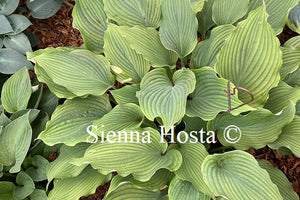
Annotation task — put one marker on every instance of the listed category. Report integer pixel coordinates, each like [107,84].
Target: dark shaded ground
[58,31]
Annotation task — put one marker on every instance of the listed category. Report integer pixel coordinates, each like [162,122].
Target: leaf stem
[69,4]
[183,62]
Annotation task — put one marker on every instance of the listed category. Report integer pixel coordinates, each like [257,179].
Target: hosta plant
[145,105]
[14,40]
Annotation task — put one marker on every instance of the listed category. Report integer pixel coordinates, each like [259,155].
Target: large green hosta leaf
[157,182]
[131,153]
[61,167]
[193,156]
[209,98]
[126,190]
[119,53]
[161,97]
[289,137]
[76,187]
[79,71]
[16,91]
[134,12]
[251,57]
[89,17]
[178,31]
[236,175]
[146,41]
[180,189]
[69,121]
[206,51]
[279,179]
[291,60]
[126,116]
[293,79]
[197,5]
[281,96]
[126,94]
[229,11]
[15,140]
[277,11]
[205,18]
[257,128]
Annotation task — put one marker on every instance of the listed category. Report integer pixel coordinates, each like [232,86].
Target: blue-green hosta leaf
[5,25]
[157,182]
[12,61]
[91,20]
[16,91]
[249,64]
[15,140]
[26,186]
[79,71]
[205,18]
[197,5]
[119,53]
[126,94]
[8,6]
[134,156]
[206,51]
[178,31]
[134,12]
[41,9]
[257,129]
[6,189]
[33,114]
[75,187]
[69,121]
[180,189]
[209,98]
[18,22]
[193,155]
[18,42]
[38,194]
[161,97]
[146,41]
[281,96]
[127,190]
[293,19]
[126,116]
[289,137]
[290,60]
[229,11]
[236,175]
[61,167]
[277,11]
[38,170]
[279,179]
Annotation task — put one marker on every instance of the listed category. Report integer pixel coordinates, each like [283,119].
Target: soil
[58,31]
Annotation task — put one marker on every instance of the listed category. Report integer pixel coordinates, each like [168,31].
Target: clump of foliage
[13,36]
[239,74]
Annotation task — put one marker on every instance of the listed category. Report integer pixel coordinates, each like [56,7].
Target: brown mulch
[58,31]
